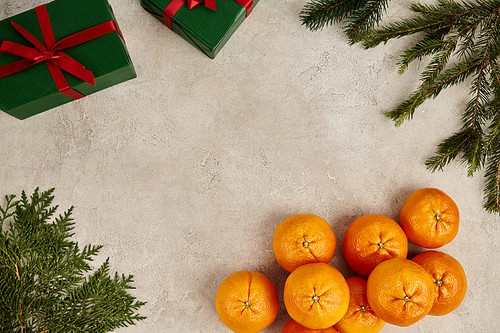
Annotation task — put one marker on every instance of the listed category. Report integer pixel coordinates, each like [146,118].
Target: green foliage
[360,15]
[459,41]
[46,283]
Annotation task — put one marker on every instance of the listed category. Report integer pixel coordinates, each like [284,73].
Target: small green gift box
[206,26]
[59,52]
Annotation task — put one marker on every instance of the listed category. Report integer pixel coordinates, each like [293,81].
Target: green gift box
[87,40]
[206,29]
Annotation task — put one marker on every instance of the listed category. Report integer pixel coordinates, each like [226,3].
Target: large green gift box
[206,29]
[59,52]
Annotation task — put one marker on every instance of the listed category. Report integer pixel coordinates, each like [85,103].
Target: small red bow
[208,3]
[175,5]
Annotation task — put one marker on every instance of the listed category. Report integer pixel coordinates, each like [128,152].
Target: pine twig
[459,40]
[469,31]
[364,18]
[360,15]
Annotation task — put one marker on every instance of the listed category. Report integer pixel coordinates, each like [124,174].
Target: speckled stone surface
[183,173]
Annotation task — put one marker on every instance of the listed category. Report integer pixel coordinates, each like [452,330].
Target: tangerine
[371,239]
[400,291]
[293,327]
[301,239]
[316,295]
[247,302]
[430,218]
[360,317]
[450,282]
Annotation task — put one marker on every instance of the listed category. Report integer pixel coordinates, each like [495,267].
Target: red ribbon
[175,5]
[50,52]
[208,3]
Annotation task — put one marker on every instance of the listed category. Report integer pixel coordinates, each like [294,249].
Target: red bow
[50,52]
[208,3]
[175,5]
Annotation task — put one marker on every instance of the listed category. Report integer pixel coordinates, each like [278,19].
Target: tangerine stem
[439,283]
[315,298]
[305,244]
[248,303]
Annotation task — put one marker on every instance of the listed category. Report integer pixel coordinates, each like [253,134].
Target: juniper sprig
[46,282]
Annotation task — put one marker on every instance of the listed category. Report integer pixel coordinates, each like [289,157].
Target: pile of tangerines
[389,289]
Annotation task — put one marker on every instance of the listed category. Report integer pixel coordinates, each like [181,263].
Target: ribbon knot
[49,55]
[49,52]
[175,5]
[208,3]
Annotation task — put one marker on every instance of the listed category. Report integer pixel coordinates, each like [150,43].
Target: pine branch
[46,282]
[361,15]
[320,13]
[400,29]
[448,150]
[494,105]
[424,48]
[406,109]
[492,190]
[469,32]
[453,76]
[491,147]
[459,40]
[364,18]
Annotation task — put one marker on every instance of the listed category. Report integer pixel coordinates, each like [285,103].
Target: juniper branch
[43,273]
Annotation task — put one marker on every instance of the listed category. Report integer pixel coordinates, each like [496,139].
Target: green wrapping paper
[33,90]
[206,29]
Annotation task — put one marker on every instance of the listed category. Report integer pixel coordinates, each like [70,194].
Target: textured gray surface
[183,173]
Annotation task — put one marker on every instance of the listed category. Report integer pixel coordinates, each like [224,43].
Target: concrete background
[183,173]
